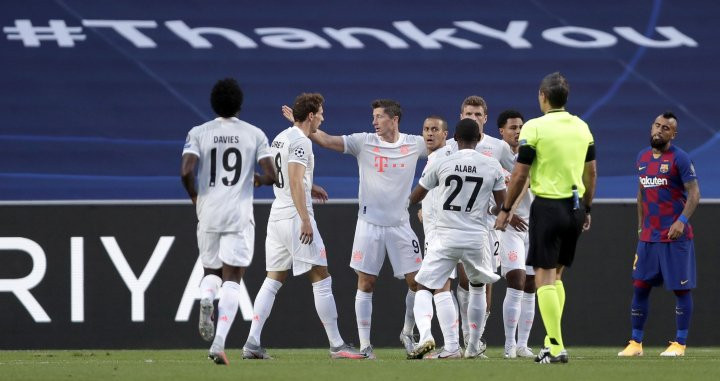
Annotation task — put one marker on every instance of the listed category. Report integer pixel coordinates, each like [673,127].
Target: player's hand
[676,229]
[501,222]
[318,194]
[288,113]
[256,180]
[518,223]
[420,215]
[306,232]
[194,200]
[586,224]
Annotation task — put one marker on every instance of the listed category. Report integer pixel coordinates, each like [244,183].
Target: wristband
[506,210]
[587,209]
[683,219]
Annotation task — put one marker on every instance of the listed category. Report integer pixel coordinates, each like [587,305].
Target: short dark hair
[508,114]
[443,122]
[226,98]
[474,100]
[556,89]
[467,130]
[391,107]
[670,115]
[306,103]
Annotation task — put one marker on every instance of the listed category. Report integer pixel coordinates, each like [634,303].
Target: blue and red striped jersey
[663,193]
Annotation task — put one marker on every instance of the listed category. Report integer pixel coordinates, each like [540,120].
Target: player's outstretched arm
[296,172]
[693,199]
[269,175]
[589,179]
[324,140]
[187,174]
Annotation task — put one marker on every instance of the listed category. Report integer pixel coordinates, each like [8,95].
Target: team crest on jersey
[487,152]
[404,150]
[664,168]
[299,152]
[376,149]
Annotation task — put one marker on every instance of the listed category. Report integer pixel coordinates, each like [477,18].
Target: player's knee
[366,284]
[530,284]
[516,279]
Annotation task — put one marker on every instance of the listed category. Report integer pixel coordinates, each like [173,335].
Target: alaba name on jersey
[466,181]
[227,149]
[387,171]
[428,204]
[291,146]
[662,187]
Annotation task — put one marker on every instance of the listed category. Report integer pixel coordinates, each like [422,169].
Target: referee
[558,153]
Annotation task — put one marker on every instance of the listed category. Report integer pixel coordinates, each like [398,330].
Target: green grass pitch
[313,364]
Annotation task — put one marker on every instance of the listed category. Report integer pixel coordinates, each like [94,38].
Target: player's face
[433,134]
[382,122]
[476,113]
[510,132]
[317,120]
[662,132]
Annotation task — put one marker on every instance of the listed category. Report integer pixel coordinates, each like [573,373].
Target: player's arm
[418,194]
[269,175]
[589,179]
[324,140]
[187,174]
[296,171]
[517,182]
[693,199]
[639,209]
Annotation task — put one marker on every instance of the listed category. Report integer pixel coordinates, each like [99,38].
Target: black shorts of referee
[554,231]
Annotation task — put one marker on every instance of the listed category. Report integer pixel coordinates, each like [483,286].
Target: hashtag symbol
[56,30]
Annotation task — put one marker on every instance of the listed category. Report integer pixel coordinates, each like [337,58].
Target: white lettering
[127,29]
[137,286]
[192,293]
[433,40]
[513,35]
[21,286]
[674,37]
[194,35]
[346,37]
[292,38]
[56,30]
[77,280]
[598,39]
[652,182]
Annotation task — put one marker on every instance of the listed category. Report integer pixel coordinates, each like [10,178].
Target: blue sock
[683,313]
[639,311]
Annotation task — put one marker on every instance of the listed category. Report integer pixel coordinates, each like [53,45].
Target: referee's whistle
[576,198]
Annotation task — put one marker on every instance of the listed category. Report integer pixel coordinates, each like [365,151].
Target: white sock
[209,286]
[227,309]
[456,326]
[409,324]
[423,310]
[327,311]
[527,315]
[462,299]
[261,310]
[511,314]
[477,304]
[447,317]
[363,314]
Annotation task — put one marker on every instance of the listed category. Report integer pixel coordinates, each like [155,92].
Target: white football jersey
[430,201]
[227,151]
[291,146]
[387,171]
[466,181]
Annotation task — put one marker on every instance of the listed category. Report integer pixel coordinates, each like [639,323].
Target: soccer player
[668,194]
[293,240]
[386,161]
[558,152]
[225,151]
[475,107]
[435,131]
[519,302]
[466,180]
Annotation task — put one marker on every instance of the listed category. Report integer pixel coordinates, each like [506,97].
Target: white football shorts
[372,241]
[231,248]
[513,251]
[440,262]
[429,236]
[284,250]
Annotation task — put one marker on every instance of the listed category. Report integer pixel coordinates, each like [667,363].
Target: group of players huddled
[462,190]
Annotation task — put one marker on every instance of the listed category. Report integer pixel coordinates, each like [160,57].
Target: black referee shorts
[554,231]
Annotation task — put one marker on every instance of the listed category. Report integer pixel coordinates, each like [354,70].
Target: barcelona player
[668,194]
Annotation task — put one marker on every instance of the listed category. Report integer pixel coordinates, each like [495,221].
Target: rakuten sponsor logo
[652,182]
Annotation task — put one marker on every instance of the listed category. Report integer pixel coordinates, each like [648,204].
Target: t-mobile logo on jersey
[381,162]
